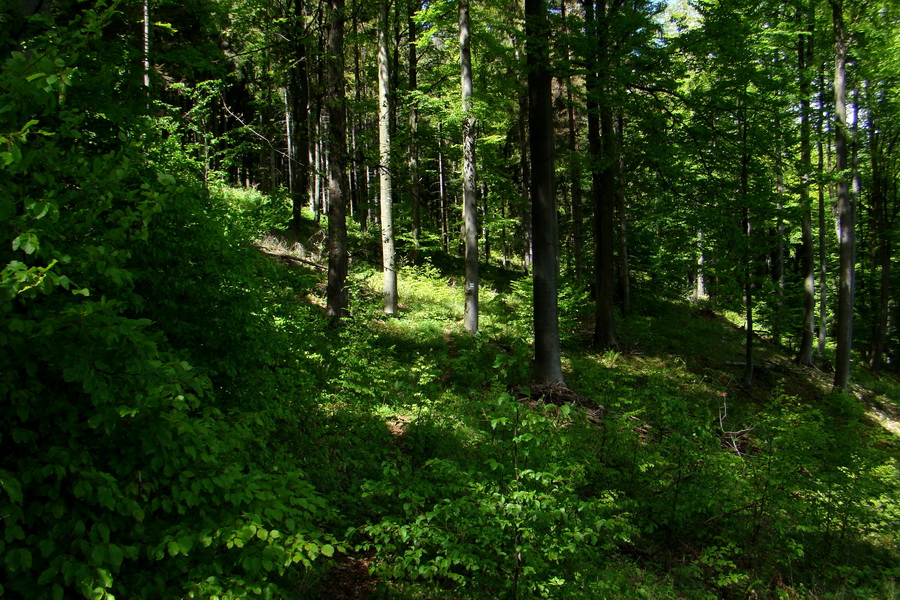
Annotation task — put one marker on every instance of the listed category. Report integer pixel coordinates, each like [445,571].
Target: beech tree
[470,188]
[384,144]
[847,229]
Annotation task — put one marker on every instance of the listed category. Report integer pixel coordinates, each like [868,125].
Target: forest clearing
[404,299]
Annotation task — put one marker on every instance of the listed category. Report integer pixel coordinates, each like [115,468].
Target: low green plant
[515,525]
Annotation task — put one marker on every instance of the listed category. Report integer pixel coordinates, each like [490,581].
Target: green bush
[122,474]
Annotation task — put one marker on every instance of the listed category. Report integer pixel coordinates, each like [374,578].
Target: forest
[449,299]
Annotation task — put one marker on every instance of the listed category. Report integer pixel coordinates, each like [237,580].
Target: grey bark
[384,147]
[847,238]
[470,186]
[299,84]
[415,181]
[804,60]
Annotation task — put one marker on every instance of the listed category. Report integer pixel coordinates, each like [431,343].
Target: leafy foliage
[125,470]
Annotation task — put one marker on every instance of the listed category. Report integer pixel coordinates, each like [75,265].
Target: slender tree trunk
[847,241]
[525,174]
[823,260]
[604,232]
[624,269]
[384,147]
[299,83]
[699,292]
[147,44]
[360,173]
[470,186]
[316,150]
[336,291]
[547,366]
[575,167]
[804,60]
[485,234]
[602,182]
[442,193]
[881,147]
[415,181]
[748,302]
[779,253]
[575,190]
[748,270]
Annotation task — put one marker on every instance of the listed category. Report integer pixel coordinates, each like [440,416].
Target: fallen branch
[295,259]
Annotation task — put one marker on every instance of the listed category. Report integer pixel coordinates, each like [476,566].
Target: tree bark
[525,174]
[470,186]
[575,177]
[384,147]
[624,268]
[602,151]
[336,291]
[547,366]
[847,238]
[882,146]
[415,181]
[299,83]
[823,260]
[804,60]
[748,271]
[359,172]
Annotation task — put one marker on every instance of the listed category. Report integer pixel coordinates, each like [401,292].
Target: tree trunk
[360,173]
[624,269]
[146,27]
[575,189]
[547,366]
[881,147]
[442,193]
[299,83]
[748,271]
[602,184]
[804,60]
[823,260]
[575,177]
[525,174]
[699,292]
[336,291]
[847,241]
[470,186]
[384,147]
[415,181]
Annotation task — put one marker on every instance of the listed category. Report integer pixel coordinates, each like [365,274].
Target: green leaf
[165,179]
[12,487]
[28,242]
[327,550]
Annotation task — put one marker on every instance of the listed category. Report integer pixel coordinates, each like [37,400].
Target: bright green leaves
[28,242]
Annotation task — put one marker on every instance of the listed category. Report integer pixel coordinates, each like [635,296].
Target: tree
[602,150]
[847,238]
[336,291]
[547,365]
[804,61]
[298,92]
[384,145]
[470,187]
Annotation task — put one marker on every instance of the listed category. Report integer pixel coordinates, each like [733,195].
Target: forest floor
[417,420]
